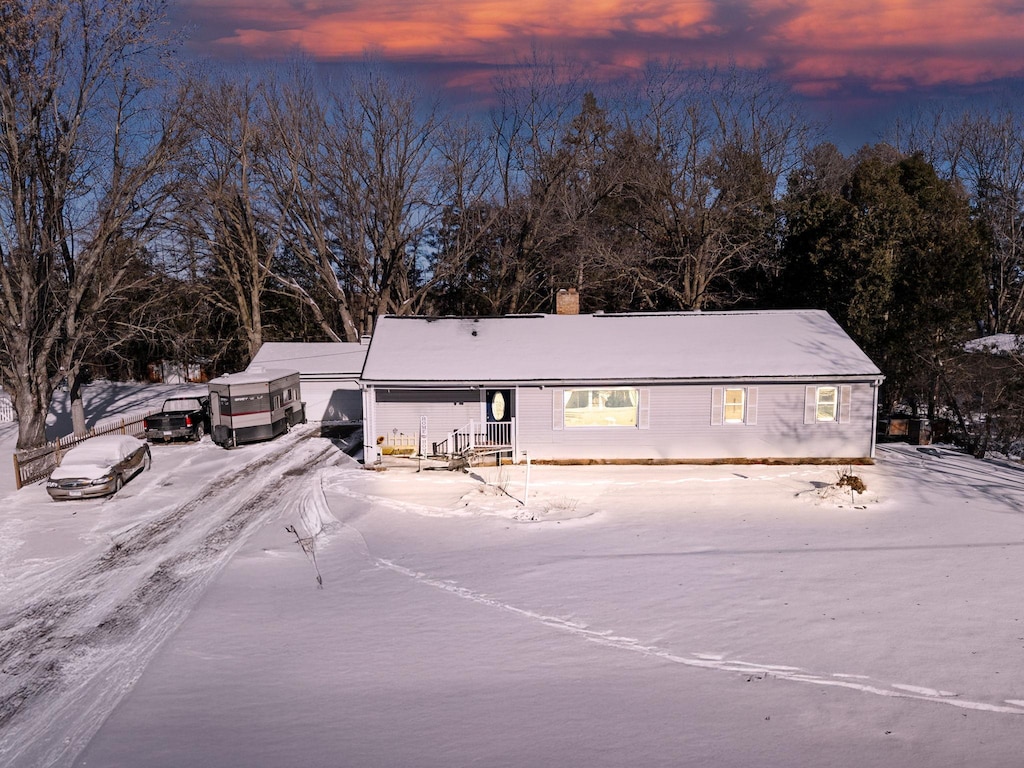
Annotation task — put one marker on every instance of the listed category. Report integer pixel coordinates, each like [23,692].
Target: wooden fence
[35,463]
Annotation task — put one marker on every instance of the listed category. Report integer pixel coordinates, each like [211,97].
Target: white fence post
[526,491]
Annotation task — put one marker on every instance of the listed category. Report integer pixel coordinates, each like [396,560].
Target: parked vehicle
[180,417]
[100,466]
[254,405]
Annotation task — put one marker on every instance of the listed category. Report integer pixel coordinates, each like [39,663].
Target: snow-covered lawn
[650,616]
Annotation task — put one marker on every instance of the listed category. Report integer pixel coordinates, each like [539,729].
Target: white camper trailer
[254,405]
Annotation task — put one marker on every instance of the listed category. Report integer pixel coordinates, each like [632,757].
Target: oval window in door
[497,406]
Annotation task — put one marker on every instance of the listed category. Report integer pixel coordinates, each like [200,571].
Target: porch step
[468,458]
[476,439]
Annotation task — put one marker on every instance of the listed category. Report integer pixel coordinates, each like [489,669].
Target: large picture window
[601,407]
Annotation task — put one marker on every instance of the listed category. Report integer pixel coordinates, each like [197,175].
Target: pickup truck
[180,417]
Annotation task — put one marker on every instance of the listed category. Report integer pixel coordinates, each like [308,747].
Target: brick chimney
[567,302]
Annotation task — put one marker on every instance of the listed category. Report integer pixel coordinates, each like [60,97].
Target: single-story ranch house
[680,386]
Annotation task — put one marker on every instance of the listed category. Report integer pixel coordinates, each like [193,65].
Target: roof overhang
[870,378]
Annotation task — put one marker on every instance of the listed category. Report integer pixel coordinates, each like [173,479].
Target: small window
[733,405]
[734,402]
[826,404]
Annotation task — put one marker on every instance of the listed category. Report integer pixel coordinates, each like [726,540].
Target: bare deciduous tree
[461,236]
[711,150]
[224,202]
[84,142]
[986,154]
[538,99]
[356,184]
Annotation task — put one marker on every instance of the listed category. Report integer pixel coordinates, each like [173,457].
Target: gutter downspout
[875,386]
[369,421]
[515,428]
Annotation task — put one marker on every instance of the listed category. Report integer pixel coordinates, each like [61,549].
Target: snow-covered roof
[997,344]
[313,359]
[181,404]
[614,347]
[254,374]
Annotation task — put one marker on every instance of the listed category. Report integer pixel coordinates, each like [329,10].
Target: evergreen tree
[892,252]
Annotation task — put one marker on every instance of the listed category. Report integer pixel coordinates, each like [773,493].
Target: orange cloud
[457,29]
[813,43]
[896,42]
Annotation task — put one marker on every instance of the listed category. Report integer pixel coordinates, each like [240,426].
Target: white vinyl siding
[679,427]
[673,423]
[398,412]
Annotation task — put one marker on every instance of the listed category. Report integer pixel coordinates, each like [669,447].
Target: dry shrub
[854,483]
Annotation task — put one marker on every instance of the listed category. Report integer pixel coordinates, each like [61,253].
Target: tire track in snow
[67,658]
[45,616]
[862,684]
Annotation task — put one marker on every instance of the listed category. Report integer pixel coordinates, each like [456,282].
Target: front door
[214,409]
[498,412]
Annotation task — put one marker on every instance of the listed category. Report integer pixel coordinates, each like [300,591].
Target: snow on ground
[90,589]
[657,616]
[103,401]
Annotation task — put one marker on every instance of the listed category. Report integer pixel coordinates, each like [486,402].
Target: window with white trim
[734,402]
[826,404]
[733,405]
[600,407]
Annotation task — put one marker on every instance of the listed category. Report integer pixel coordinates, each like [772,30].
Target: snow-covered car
[98,467]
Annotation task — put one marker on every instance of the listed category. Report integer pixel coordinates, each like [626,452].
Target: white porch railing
[476,436]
